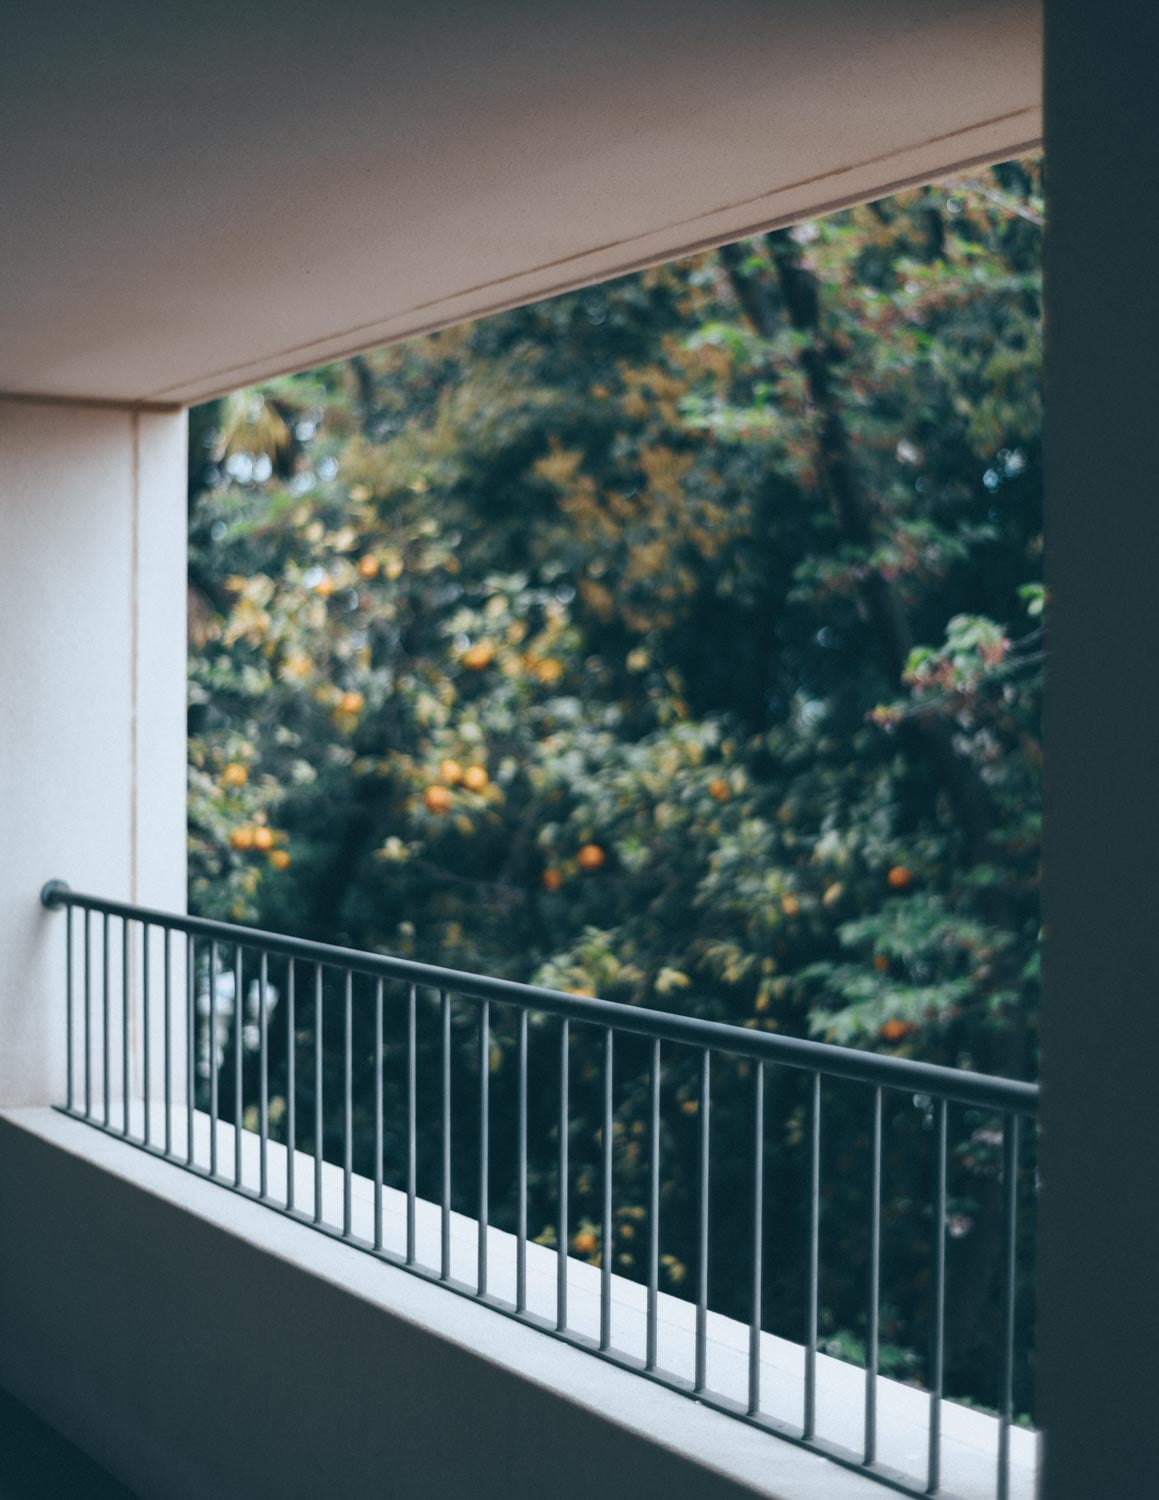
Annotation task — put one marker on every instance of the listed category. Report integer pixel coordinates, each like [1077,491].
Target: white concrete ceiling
[198,193]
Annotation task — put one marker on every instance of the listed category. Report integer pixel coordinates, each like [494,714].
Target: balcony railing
[437,1119]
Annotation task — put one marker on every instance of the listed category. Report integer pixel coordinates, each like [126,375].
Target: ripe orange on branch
[241,839]
[475,778]
[899,877]
[263,839]
[591,857]
[438,799]
[475,658]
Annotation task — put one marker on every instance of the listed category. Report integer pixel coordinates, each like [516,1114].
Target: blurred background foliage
[677,640]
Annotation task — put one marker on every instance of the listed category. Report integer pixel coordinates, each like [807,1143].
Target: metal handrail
[930,1086]
[959,1085]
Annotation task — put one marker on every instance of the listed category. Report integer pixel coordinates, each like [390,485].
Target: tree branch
[800,298]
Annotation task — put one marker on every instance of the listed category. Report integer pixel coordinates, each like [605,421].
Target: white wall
[198,1345]
[92,695]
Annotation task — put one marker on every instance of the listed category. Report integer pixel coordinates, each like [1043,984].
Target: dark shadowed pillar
[1099,1312]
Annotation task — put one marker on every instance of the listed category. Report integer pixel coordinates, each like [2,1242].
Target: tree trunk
[975,1260]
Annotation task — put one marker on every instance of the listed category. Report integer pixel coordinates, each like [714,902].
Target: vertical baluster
[606,1214]
[145,1072]
[146,1040]
[167,956]
[561,1252]
[238,1100]
[445,1022]
[105,1017]
[347,1103]
[411,1119]
[126,946]
[702,1236]
[263,1077]
[378,1115]
[190,1041]
[68,1005]
[758,1236]
[291,1081]
[1009,1274]
[88,1016]
[213,1059]
[521,1170]
[873,1315]
[484,1141]
[653,1203]
[809,1426]
[317,1093]
[938,1335]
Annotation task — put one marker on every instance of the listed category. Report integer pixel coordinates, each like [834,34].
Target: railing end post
[52,894]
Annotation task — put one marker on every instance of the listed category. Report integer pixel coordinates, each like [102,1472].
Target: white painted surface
[92,696]
[969,1437]
[197,1344]
[202,194]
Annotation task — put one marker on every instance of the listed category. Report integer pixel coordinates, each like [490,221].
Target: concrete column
[1099,1291]
[92,696]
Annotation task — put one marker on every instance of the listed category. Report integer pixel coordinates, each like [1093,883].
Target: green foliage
[675,640]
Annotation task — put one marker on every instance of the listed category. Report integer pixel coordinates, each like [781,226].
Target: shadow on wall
[37,1464]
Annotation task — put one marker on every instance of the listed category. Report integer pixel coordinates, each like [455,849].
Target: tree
[675,640]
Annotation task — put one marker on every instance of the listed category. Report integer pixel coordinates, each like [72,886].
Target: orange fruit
[591,857]
[263,839]
[241,839]
[475,658]
[352,703]
[584,1243]
[894,1030]
[549,671]
[899,877]
[790,905]
[369,565]
[719,790]
[451,772]
[324,586]
[552,880]
[437,799]
[280,859]
[475,778]
[234,774]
